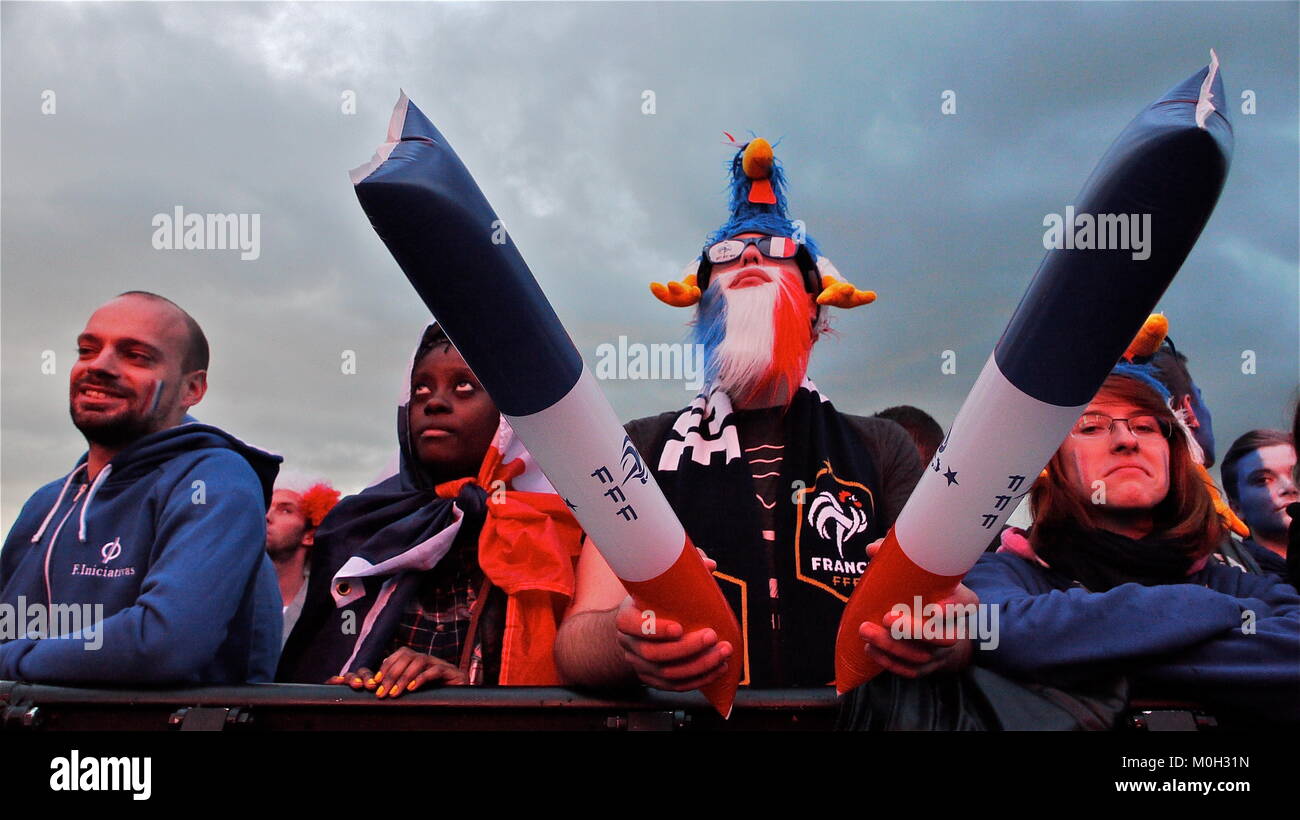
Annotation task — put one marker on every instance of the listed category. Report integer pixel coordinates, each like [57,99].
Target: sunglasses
[772,247]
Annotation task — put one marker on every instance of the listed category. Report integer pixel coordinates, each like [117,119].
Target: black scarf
[1102,560]
[823,525]
[396,520]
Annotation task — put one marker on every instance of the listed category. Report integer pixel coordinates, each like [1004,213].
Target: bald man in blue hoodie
[145,563]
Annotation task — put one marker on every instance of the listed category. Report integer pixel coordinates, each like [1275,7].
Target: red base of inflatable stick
[891,579]
[688,587]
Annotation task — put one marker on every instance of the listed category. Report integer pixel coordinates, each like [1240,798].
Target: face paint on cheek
[157,396]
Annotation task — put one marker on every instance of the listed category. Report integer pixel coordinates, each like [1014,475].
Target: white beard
[745,353]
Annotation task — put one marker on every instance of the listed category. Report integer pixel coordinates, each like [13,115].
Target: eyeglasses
[1096,425]
[773,247]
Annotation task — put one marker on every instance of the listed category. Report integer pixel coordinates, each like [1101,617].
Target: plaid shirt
[438,620]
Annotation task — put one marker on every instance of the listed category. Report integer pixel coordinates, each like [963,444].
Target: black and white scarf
[789,597]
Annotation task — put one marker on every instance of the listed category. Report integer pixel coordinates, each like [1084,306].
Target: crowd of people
[464,567]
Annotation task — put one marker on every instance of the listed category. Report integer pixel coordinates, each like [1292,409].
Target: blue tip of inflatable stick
[1159,180]
[438,225]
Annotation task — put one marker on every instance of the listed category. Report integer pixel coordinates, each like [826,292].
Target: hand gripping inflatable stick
[439,227]
[1082,309]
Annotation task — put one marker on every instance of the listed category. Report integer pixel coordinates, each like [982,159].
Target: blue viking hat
[757,194]
[758,204]
[758,199]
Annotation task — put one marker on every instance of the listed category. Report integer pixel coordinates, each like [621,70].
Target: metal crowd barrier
[300,707]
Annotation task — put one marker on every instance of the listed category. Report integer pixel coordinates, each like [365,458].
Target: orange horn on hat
[838,293]
[679,294]
[1149,338]
[1226,515]
[843,294]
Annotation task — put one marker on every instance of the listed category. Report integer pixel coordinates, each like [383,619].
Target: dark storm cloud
[236,108]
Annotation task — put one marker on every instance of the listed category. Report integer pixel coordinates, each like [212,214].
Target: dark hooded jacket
[374,550]
[167,546]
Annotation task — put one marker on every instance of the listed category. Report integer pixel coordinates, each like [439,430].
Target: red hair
[1185,516]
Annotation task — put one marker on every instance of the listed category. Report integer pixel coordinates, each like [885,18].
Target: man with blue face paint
[155,539]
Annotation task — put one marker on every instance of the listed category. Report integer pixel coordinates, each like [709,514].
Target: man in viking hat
[775,485]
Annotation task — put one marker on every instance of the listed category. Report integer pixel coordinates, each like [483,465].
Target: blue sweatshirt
[1190,640]
[170,540]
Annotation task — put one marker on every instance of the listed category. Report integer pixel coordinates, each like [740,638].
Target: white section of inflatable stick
[583,450]
[1205,103]
[396,123]
[998,445]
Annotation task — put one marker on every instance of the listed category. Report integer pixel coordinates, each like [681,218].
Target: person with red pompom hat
[298,505]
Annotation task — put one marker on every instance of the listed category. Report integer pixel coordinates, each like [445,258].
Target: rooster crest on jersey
[833,518]
[837,516]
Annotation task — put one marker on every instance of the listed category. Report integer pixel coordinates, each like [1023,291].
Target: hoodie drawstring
[59,501]
[99,479]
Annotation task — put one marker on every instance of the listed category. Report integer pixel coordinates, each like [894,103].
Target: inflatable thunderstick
[1083,307]
[439,227]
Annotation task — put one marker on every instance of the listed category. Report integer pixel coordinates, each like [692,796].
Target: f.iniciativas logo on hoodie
[111,550]
[108,552]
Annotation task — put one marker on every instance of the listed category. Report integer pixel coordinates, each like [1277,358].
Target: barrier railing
[298,707]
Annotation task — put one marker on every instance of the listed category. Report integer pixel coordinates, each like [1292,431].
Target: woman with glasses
[1115,575]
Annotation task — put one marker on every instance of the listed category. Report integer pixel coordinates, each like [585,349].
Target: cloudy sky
[239,108]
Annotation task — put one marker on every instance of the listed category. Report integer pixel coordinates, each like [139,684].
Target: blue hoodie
[170,539]
[1190,641]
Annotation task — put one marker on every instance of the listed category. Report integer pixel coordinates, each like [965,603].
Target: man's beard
[285,550]
[118,430]
[114,432]
[756,339]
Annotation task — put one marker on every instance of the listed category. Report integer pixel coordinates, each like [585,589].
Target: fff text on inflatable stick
[1081,310]
[428,210]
